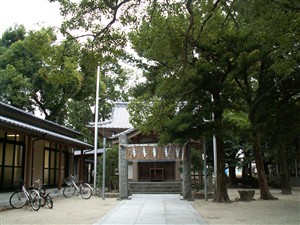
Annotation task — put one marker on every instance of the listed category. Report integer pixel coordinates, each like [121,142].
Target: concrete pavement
[153,209]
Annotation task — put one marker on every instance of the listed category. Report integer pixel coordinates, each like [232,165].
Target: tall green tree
[58,78]
[12,35]
[51,69]
[102,44]
[190,64]
[14,87]
[113,88]
[266,62]
[237,142]
[191,51]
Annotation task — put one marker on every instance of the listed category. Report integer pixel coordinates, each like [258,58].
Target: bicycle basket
[68,181]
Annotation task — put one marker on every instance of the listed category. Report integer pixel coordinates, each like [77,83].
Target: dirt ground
[76,210]
[285,210]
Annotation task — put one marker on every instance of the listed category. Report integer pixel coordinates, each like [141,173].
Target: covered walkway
[153,209]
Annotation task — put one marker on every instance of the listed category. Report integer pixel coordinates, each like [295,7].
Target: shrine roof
[120,118]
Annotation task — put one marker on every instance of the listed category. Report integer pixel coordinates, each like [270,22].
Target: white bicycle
[25,196]
[84,189]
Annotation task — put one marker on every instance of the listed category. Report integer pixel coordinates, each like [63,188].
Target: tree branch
[115,8]
[189,8]
[210,15]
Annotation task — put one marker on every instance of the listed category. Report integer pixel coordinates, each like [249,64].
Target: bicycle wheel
[18,200]
[49,201]
[43,200]
[69,191]
[86,191]
[42,193]
[35,200]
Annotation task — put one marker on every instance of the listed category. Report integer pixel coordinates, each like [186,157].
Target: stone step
[155,187]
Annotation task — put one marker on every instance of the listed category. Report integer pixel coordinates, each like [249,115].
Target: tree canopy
[57,78]
[228,68]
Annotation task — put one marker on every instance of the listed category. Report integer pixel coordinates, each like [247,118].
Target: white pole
[103,169]
[214,147]
[215,158]
[296,168]
[205,169]
[96,130]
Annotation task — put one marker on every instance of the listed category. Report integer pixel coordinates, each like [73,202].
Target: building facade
[33,148]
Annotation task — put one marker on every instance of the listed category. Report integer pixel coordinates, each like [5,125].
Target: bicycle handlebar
[75,179]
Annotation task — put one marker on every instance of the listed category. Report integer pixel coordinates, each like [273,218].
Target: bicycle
[45,197]
[25,196]
[84,189]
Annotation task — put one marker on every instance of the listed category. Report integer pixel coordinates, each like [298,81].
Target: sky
[33,14]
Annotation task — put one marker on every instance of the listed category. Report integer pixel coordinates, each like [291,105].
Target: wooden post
[28,163]
[59,167]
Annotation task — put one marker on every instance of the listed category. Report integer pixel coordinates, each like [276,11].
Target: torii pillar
[123,168]
[187,180]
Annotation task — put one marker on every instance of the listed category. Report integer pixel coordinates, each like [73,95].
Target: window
[2,134]
[11,159]
[51,164]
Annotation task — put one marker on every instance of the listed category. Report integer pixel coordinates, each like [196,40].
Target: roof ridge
[35,117]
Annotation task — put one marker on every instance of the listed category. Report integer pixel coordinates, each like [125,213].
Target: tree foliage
[228,68]
[242,54]
[111,169]
[58,79]
[239,52]
[50,69]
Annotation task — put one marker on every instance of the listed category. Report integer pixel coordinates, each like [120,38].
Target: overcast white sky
[30,13]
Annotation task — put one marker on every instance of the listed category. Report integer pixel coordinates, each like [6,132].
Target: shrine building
[145,166]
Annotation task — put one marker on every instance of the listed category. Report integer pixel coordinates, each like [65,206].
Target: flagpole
[103,168]
[96,130]
[215,150]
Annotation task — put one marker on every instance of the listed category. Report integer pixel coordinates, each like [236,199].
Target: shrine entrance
[156,171]
[150,164]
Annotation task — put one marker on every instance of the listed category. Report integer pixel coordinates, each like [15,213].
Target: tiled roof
[119,119]
[88,151]
[27,116]
[41,131]
[128,131]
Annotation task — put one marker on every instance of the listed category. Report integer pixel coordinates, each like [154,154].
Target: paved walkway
[153,209]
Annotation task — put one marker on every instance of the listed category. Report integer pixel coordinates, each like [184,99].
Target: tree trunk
[246,171]
[266,168]
[221,194]
[263,183]
[286,186]
[232,175]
